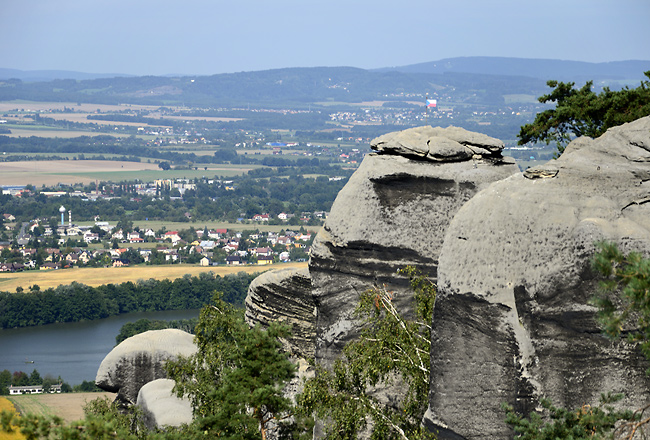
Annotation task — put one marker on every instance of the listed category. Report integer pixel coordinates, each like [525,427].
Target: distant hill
[291,87]
[50,75]
[471,81]
[534,68]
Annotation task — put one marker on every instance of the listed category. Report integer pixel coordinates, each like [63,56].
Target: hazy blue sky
[212,36]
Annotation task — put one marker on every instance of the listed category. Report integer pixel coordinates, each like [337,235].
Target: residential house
[304,237]
[90,237]
[11,267]
[52,253]
[261,218]
[72,258]
[50,266]
[205,261]
[262,252]
[264,260]
[173,236]
[120,262]
[75,230]
[29,389]
[233,260]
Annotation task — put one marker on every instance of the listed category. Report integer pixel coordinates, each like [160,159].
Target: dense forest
[78,302]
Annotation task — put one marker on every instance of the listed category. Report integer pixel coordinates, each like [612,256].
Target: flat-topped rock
[451,144]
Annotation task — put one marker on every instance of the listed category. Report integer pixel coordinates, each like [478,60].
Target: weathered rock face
[394,212]
[512,320]
[140,359]
[285,296]
[160,407]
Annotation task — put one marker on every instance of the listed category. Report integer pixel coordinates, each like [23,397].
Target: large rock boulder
[160,406]
[141,359]
[394,212]
[285,296]
[513,321]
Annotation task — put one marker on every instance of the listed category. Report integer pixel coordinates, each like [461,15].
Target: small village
[106,245]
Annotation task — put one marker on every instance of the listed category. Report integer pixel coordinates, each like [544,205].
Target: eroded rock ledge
[513,321]
[393,212]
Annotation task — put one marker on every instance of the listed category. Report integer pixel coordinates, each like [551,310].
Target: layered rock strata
[285,296]
[513,321]
[141,359]
[394,212]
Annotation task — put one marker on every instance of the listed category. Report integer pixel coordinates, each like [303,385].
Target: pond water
[71,350]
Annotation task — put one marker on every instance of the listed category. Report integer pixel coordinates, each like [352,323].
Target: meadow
[106,275]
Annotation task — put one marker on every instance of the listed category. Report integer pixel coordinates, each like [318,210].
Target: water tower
[62,211]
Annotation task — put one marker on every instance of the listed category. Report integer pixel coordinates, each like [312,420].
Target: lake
[70,350]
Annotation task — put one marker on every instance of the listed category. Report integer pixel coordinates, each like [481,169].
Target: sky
[205,37]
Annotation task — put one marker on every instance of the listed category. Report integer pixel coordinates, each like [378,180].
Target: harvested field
[68,406]
[105,275]
[52,172]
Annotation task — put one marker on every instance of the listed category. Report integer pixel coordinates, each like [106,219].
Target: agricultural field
[68,406]
[52,172]
[106,275]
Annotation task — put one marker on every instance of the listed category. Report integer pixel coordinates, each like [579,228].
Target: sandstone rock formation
[139,360]
[394,212]
[160,407]
[285,296]
[512,320]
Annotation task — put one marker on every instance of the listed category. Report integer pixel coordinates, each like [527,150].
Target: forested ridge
[78,302]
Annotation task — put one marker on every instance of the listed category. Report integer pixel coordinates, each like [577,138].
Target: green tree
[582,112]
[390,348]
[235,379]
[624,296]
[586,423]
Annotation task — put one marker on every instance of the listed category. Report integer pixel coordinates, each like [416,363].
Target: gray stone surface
[449,144]
[394,212]
[285,295]
[139,360]
[513,321]
[160,406]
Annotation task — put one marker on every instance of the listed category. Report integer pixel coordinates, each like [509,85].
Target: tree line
[77,302]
